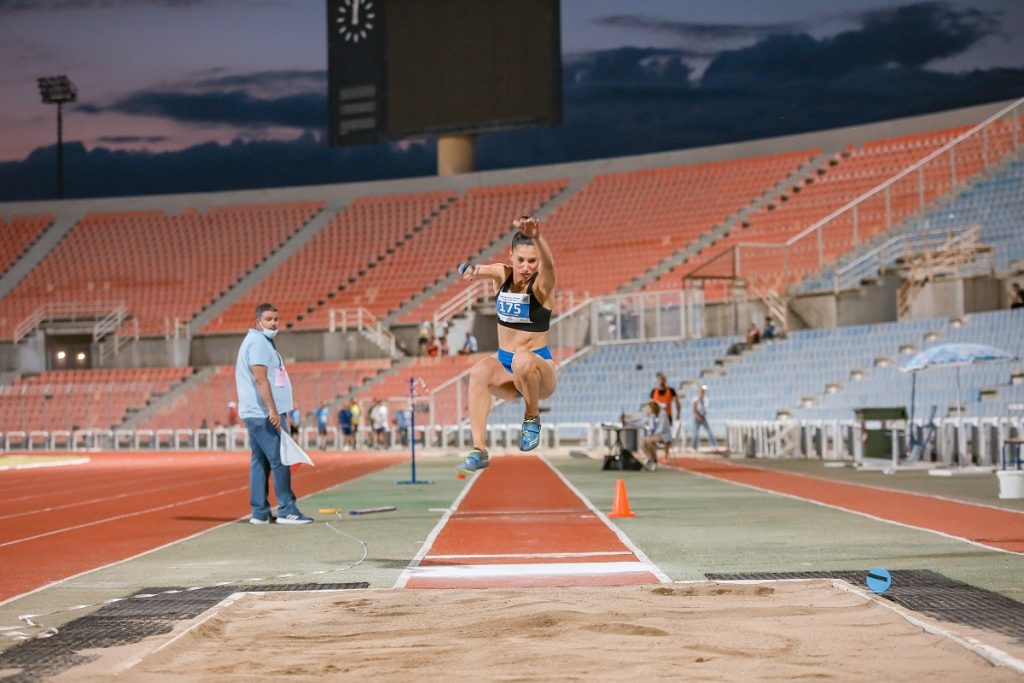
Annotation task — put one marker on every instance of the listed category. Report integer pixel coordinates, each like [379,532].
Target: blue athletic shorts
[505,357]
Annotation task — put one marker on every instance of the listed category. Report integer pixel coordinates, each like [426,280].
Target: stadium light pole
[58,90]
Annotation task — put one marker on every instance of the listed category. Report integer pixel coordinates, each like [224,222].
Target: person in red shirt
[666,397]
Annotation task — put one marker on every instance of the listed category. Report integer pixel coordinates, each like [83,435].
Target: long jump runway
[520,523]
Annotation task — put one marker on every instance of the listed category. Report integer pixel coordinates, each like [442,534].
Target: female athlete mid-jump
[524,366]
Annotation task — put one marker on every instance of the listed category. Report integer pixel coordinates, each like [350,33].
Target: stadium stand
[208,400]
[987,389]
[356,241]
[163,266]
[472,223]
[621,224]
[628,369]
[18,234]
[850,174]
[82,399]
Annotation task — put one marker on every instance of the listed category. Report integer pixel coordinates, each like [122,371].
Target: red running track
[993,527]
[56,522]
[520,524]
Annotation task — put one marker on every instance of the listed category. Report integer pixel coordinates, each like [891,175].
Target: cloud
[304,160]
[132,139]
[696,30]
[616,102]
[312,79]
[910,36]
[12,6]
[234,107]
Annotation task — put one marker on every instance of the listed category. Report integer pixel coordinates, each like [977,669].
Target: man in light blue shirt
[262,381]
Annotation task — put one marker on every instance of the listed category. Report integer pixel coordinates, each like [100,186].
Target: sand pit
[705,631]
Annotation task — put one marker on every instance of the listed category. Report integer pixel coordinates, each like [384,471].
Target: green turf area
[690,525]
[20,461]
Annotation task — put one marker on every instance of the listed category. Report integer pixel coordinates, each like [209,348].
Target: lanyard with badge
[280,376]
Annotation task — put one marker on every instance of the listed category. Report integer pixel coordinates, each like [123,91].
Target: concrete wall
[294,347]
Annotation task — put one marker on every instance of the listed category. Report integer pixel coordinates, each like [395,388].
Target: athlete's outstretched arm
[530,227]
[492,271]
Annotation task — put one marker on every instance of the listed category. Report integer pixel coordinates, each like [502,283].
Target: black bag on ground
[623,460]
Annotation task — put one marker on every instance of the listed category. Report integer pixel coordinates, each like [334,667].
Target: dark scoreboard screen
[405,67]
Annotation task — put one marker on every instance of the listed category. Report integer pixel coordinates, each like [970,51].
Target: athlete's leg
[535,379]
[486,378]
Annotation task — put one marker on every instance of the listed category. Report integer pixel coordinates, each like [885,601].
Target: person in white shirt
[700,418]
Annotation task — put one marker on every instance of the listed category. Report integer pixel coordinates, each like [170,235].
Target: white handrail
[462,301]
[872,261]
[365,322]
[62,310]
[904,173]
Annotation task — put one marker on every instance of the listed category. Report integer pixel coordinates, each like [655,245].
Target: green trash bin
[876,425]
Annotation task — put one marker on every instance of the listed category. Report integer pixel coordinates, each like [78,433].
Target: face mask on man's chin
[269,334]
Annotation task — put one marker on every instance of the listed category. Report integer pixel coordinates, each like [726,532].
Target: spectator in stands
[264,401]
[233,420]
[666,397]
[658,433]
[442,337]
[323,414]
[203,424]
[469,345]
[700,418]
[426,334]
[380,423]
[345,425]
[433,349]
[524,366]
[294,422]
[769,329]
[753,334]
[357,414]
[402,419]
[1016,296]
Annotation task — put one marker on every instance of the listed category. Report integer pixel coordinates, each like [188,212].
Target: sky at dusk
[193,95]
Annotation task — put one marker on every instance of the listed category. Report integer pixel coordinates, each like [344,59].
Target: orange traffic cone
[620,503]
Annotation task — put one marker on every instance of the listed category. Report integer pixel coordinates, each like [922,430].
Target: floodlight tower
[58,90]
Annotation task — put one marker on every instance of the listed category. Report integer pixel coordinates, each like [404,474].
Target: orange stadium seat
[162,267]
[208,399]
[82,399]
[355,241]
[18,234]
[462,230]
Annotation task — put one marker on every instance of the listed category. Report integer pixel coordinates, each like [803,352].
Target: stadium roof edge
[828,140]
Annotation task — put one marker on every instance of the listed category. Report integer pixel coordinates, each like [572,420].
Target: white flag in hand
[291,452]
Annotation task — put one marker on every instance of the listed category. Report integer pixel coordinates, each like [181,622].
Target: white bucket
[1011,483]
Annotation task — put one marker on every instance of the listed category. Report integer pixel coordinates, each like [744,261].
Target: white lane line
[481,571]
[653,568]
[37,465]
[136,513]
[501,513]
[511,556]
[183,483]
[992,654]
[847,510]
[406,574]
[57,582]
[874,487]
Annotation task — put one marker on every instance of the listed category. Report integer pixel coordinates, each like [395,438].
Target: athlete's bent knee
[524,362]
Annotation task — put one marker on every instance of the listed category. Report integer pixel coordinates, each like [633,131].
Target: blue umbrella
[954,356]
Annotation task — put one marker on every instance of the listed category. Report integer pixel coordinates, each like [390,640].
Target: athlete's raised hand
[528,226]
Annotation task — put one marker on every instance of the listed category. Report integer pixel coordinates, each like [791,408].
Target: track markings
[521,523]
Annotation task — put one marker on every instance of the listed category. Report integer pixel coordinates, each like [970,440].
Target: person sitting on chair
[659,433]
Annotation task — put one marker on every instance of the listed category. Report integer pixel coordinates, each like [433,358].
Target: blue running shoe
[529,437]
[476,460]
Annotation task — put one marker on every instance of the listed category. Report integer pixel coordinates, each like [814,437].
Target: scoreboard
[398,68]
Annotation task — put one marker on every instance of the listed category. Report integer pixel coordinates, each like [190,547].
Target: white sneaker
[257,520]
[295,518]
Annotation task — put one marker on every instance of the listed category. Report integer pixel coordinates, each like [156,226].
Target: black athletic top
[520,310]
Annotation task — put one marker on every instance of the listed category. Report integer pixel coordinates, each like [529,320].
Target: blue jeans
[699,422]
[265,442]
